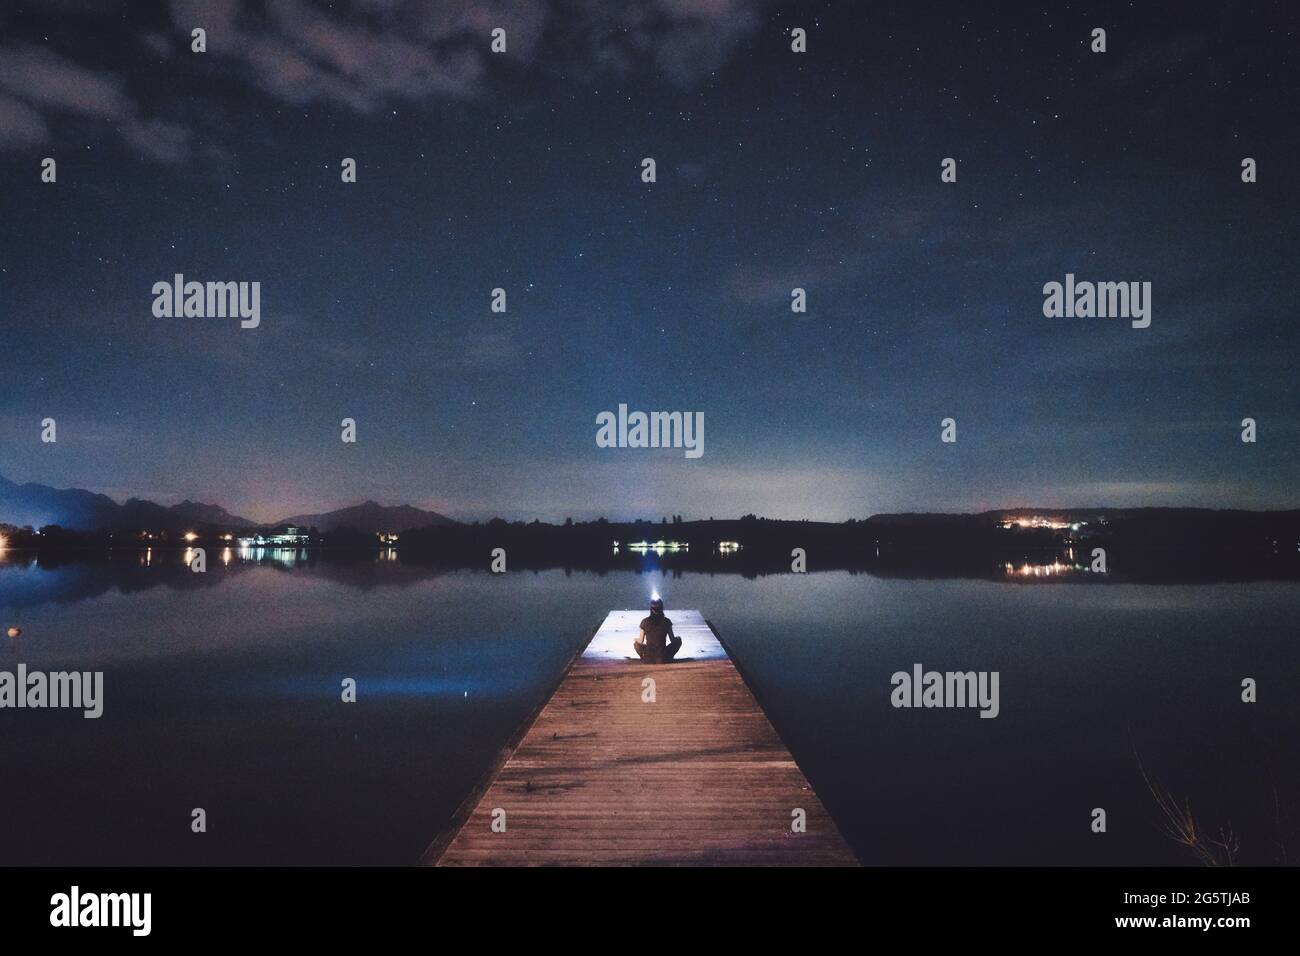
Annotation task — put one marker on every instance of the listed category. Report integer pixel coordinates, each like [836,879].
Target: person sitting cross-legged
[657,644]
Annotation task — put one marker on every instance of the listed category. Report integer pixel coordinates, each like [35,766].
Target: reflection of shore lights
[15,632]
[1040,570]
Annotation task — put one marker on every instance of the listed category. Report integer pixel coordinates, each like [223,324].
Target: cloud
[20,125]
[701,36]
[373,52]
[159,140]
[366,55]
[1148,494]
[36,83]
[159,44]
[681,40]
[370,54]
[46,80]
[755,285]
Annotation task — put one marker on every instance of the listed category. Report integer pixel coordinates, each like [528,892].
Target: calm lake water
[222,692]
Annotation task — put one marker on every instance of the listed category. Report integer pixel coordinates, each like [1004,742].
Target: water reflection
[284,556]
[227,683]
[93,573]
[1055,569]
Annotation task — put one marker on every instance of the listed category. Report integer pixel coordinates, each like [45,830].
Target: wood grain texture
[698,777]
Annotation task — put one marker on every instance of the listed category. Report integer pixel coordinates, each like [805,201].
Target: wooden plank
[602,777]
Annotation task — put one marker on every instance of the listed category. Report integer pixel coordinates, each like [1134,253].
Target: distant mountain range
[372,517]
[81,510]
[76,508]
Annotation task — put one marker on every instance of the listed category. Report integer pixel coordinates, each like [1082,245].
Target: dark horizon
[673,515]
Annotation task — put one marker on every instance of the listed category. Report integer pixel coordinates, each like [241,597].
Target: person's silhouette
[657,644]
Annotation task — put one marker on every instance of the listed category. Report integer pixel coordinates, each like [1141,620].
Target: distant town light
[1037,521]
[292,538]
[191,536]
[658,547]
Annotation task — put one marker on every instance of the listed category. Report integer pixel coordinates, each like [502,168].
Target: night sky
[775,170]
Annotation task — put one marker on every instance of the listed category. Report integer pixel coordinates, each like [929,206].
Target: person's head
[657,605]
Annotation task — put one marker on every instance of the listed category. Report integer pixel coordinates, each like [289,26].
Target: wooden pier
[602,776]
